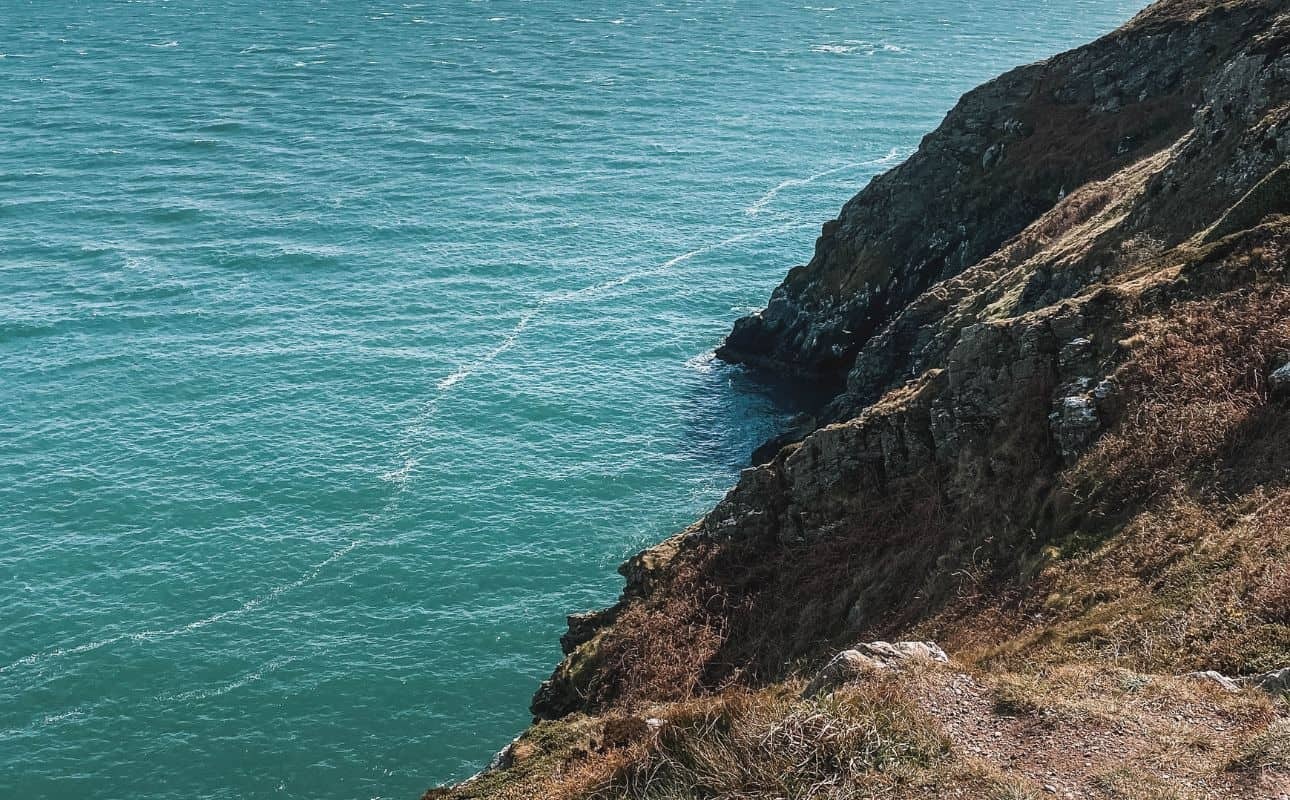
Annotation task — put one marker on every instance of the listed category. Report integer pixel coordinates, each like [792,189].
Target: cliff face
[1061,449]
[1007,153]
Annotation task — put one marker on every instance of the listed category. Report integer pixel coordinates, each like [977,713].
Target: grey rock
[892,655]
[992,155]
[954,291]
[1075,424]
[583,627]
[1274,683]
[1075,351]
[1210,676]
[504,759]
[984,175]
[849,665]
[1279,381]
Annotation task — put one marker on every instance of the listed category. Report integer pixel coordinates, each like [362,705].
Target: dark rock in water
[798,428]
[582,627]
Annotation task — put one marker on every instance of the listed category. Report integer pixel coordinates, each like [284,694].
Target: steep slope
[1008,152]
[1061,450]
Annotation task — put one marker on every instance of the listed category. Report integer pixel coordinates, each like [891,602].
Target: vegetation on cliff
[1062,453]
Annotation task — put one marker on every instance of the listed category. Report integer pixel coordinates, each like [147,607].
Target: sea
[347,346]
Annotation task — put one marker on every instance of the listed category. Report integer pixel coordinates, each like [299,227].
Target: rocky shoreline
[1060,449]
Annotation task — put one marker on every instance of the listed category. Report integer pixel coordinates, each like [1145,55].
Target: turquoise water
[345,347]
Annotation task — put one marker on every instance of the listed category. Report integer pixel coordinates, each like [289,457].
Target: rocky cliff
[1010,151]
[1060,334]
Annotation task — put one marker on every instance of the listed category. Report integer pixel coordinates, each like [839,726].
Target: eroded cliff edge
[1061,450]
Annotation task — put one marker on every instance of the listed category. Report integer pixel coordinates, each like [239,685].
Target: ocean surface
[345,347]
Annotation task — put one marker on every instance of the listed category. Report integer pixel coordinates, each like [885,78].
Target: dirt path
[1094,735]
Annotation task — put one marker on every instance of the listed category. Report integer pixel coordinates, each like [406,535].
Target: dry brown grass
[1268,751]
[1176,555]
[771,744]
[928,732]
[1131,784]
[559,760]
[658,647]
[1181,587]
[737,744]
[747,611]
[1091,697]
[1171,554]
[1196,400]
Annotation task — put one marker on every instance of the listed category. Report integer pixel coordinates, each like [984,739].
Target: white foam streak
[465,371]
[768,198]
[557,298]
[401,476]
[163,633]
[238,683]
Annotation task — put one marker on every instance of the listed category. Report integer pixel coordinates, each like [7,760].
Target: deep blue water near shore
[345,347]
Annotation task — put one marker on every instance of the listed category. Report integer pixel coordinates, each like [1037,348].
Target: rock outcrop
[872,657]
[1010,151]
[1275,682]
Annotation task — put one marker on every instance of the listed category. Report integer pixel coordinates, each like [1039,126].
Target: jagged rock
[848,665]
[983,302]
[981,318]
[1274,683]
[1269,195]
[892,655]
[1005,155]
[1104,390]
[1210,676]
[798,428]
[1279,381]
[1075,351]
[503,759]
[584,626]
[1075,424]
